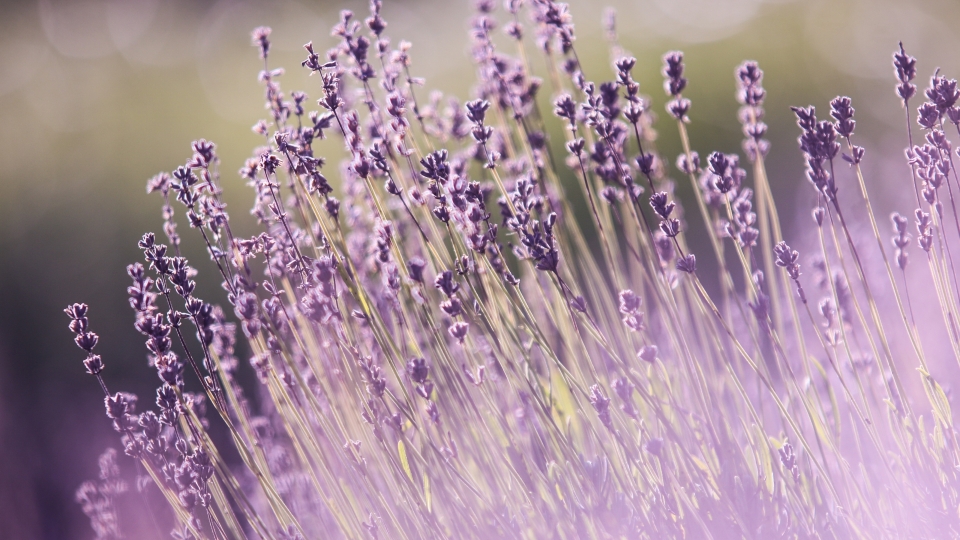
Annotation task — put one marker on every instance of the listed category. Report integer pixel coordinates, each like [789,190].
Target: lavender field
[487,269]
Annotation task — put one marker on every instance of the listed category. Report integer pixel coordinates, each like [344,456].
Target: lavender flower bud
[943,93]
[633,112]
[166,397]
[417,370]
[953,113]
[928,116]
[116,405]
[688,166]
[564,107]
[416,266]
[477,111]
[86,341]
[855,156]
[900,240]
[150,424]
[633,319]
[672,71]
[749,92]
[670,227]
[842,112]
[629,302]
[789,460]
[360,166]
[787,259]
[687,263]
[76,311]
[452,306]
[575,146]
[458,330]
[333,207]
[905,67]
[678,108]
[261,39]
[660,204]
[645,162]
[924,230]
[601,404]
[445,282]
[94,364]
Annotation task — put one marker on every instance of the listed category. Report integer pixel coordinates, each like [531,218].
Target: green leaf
[426,492]
[403,459]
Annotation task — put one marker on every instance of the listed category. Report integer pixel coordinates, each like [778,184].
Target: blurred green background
[96,96]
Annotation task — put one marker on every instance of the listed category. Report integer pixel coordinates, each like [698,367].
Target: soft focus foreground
[478,330]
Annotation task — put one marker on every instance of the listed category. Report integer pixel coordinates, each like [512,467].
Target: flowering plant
[481,331]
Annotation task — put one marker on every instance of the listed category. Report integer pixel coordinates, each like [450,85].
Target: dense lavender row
[478,332]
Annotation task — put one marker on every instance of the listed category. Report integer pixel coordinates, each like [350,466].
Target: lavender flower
[906,69]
